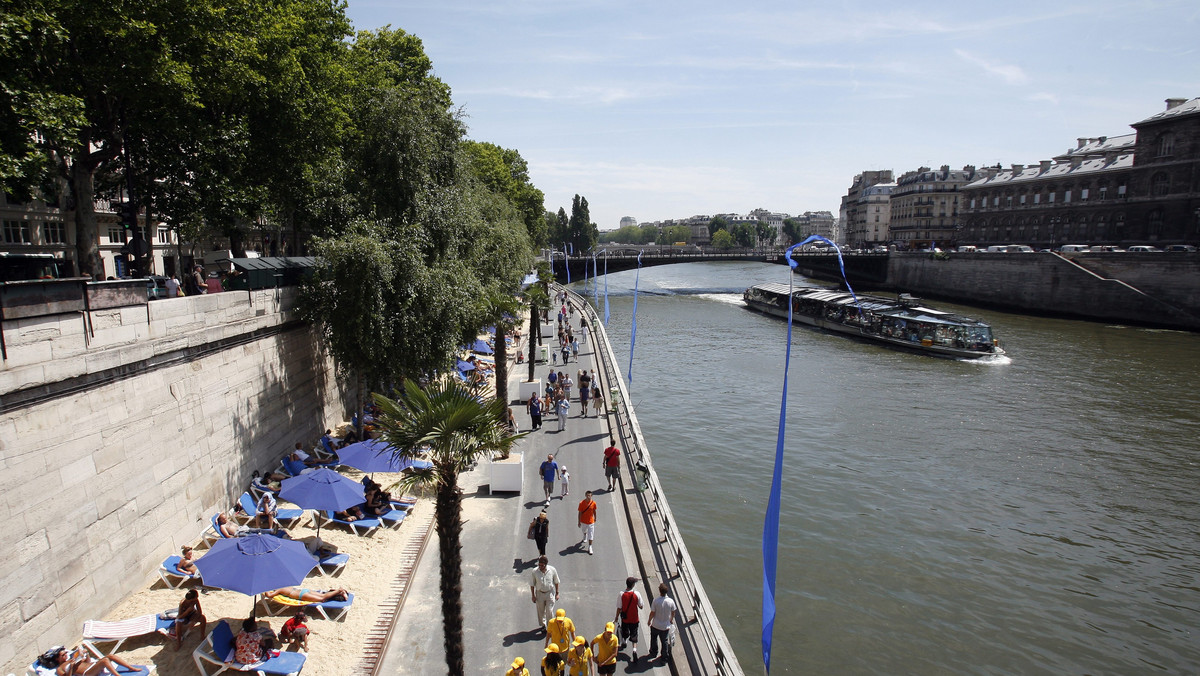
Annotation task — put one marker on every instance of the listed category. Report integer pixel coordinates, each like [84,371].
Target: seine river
[1034,515]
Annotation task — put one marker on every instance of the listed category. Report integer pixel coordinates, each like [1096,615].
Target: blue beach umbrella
[373,455]
[481,346]
[322,489]
[255,563]
[463,366]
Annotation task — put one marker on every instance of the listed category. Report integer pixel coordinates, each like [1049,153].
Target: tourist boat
[901,323]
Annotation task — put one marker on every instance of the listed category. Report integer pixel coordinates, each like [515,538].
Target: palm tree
[456,429]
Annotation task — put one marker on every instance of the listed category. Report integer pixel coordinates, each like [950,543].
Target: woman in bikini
[189,614]
[310,595]
[77,663]
[187,564]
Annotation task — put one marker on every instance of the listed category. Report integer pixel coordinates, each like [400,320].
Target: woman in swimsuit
[310,595]
[186,564]
[77,663]
[189,614]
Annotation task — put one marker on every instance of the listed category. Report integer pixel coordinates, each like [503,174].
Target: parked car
[1178,248]
[156,287]
[1073,248]
[1106,248]
[1144,249]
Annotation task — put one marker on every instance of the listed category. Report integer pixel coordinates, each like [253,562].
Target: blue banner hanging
[567,263]
[606,289]
[595,285]
[633,324]
[770,537]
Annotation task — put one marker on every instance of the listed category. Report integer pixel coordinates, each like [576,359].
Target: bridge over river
[863,268]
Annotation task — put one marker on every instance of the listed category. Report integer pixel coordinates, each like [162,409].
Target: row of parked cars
[1078,248]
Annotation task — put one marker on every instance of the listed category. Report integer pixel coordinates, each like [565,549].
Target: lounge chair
[333,563]
[172,576]
[213,533]
[331,610]
[395,517]
[96,632]
[286,517]
[258,487]
[359,527]
[218,646]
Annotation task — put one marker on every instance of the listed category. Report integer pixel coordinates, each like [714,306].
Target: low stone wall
[1046,283]
[180,401]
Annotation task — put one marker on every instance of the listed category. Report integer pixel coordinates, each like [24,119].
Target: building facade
[875,212]
[1140,188]
[925,207]
[852,215]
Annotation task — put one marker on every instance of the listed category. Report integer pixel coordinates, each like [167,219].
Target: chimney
[1175,103]
[1046,164]
[1017,168]
[1111,156]
[1102,139]
[1082,142]
[1075,162]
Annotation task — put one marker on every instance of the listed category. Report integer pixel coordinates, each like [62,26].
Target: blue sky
[663,110]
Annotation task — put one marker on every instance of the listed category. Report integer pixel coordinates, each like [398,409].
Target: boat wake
[990,360]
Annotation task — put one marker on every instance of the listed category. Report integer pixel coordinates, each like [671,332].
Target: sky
[661,110]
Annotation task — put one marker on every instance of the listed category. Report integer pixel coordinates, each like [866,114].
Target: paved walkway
[500,620]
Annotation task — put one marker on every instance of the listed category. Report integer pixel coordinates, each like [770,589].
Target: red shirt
[612,456]
[291,626]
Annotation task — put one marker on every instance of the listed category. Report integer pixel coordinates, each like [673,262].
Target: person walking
[662,618]
[585,391]
[554,663]
[604,651]
[549,472]
[597,400]
[539,528]
[517,668]
[560,631]
[535,411]
[543,590]
[564,409]
[579,658]
[612,464]
[628,604]
[587,520]
[566,481]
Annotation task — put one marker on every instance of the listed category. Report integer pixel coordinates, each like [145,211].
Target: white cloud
[1012,75]
[1043,97]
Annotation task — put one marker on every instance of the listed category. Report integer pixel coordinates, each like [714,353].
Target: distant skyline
[666,110]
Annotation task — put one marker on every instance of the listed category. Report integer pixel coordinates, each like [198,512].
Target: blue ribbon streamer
[595,284]
[606,289]
[633,325]
[567,263]
[770,537]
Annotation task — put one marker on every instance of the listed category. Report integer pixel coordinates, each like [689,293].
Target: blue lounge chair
[359,527]
[214,531]
[35,670]
[331,564]
[172,576]
[394,518]
[331,610]
[286,517]
[218,647]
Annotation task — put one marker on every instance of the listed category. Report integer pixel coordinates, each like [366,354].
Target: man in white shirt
[543,590]
[662,616]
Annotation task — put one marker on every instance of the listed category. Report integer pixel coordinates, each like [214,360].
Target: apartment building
[925,206]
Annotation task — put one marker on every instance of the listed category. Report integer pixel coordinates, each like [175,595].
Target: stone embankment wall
[139,429]
[1127,288]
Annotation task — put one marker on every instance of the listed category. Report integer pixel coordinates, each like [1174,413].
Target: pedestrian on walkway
[564,409]
[587,520]
[535,411]
[553,664]
[628,604]
[585,391]
[662,618]
[549,472]
[612,463]
[579,658]
[597,400]
[543,590]
[566,481]
[539,528]
[560,631]
[517,668]
[604,651]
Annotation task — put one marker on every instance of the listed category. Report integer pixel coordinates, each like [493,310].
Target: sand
[373,575]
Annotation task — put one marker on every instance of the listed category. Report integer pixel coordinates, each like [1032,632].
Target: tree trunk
[502,366]
[535,329]
[448,520]
[87,241]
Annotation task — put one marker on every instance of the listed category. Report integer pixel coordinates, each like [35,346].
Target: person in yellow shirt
[554,663]
[604,649]
[579,658]
[560,630]
[517,668]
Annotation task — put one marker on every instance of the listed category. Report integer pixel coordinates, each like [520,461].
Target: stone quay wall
[123,432]
[1127,288]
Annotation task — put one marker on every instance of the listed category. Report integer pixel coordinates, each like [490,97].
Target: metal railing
[701,636]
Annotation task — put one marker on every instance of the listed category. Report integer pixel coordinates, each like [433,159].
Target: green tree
[506,173]
[675,233]
[744,234]
[715,224]
[764,233]
[722,240]
[457,429]
[581,232]
[649,234]
[792,230]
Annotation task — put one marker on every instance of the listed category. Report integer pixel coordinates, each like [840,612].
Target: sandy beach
[374,575]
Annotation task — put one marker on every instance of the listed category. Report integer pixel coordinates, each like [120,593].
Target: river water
[1036,514]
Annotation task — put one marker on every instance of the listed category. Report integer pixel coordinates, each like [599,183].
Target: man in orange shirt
[587,520]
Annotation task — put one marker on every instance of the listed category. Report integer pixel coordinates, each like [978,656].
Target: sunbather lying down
[310,595]
[79,663]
